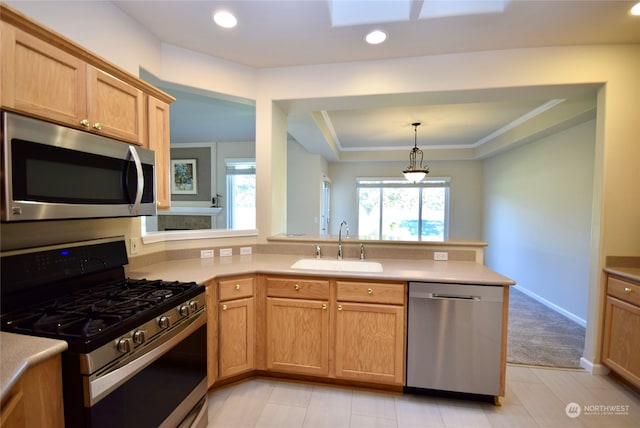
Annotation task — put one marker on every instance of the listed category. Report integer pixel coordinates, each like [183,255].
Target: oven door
[169,391]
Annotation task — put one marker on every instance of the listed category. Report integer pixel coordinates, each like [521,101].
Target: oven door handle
[100,387]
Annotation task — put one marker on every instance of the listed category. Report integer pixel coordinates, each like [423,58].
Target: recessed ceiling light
[225,19]
[635,10]
[376,37]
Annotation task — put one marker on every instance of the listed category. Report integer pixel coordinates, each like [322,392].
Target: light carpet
[540,336]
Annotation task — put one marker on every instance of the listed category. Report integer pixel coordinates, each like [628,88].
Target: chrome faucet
[361,251]
[318,251]
[344,223]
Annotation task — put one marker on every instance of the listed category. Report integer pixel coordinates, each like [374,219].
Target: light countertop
[18,353]
[202,270]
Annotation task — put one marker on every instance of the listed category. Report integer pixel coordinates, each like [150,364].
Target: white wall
[465,221]
[537,210]
[304,191]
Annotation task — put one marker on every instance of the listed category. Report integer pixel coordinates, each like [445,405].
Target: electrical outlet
[206,254]
[437,255]
[133,246]
[245,251]
[226,252]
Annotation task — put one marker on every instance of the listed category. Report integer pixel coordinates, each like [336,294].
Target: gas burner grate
[89,312]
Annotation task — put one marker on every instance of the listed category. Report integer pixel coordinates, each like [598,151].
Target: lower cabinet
[370,332]
[307,326]
[298,336]
[236,327]
[370,343]
[297,333]
[36,399]
[349,330]
[622,329]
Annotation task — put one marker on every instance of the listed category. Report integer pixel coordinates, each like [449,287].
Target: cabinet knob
[97,126]
[627,290]
[224,307]
[84,122]
[237,286]
[369,291]
[324,306]
[296,287]
[339,307]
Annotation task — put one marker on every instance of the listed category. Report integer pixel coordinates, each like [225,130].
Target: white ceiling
[298,32]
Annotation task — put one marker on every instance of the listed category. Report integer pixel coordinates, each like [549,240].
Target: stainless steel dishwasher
[454,338]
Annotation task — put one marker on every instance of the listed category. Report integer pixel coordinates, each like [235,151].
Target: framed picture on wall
[184,179]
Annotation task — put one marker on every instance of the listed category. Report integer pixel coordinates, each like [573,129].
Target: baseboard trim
[553,306]
[594,369]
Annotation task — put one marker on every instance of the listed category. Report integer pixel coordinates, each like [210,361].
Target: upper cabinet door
[115,108]
[40,79]
[158,141]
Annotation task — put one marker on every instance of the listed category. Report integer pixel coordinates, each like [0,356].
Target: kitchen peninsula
[267,318]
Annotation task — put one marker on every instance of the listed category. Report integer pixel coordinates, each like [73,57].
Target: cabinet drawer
[317,289]
[369,292]
[624,290]
[235,288]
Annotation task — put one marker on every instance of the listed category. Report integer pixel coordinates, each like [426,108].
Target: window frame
[243,166]
[381,183]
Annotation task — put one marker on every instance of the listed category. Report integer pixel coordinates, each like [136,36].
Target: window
[241,194]
[394,209]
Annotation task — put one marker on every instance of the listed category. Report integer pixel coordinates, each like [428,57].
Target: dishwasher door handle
[438,296]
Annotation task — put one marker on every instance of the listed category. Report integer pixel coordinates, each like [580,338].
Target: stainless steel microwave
[54,172]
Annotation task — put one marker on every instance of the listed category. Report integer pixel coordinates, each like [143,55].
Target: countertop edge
[20,352]
[632,274]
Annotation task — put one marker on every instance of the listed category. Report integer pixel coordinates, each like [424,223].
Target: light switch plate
[245,251]
[226,252]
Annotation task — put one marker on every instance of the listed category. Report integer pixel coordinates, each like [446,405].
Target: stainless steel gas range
[137,353]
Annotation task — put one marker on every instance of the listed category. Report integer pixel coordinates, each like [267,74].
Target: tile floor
[535,397]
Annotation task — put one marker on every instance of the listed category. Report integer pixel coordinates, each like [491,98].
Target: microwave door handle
[140,181]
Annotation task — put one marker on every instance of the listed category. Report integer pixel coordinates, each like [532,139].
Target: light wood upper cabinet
[41,79]
[158,140]
[48,76]
[115,108]
[622,329]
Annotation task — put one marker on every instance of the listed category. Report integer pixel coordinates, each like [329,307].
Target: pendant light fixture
[415,171]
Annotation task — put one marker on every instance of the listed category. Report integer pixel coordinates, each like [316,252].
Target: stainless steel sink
[337,265]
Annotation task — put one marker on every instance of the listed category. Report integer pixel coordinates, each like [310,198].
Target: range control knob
[184,311]
[193,305]
[139,337]
[124,345]
[164,322]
